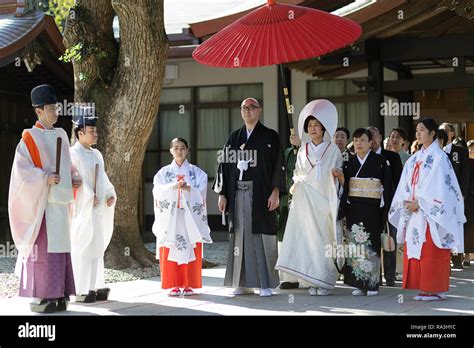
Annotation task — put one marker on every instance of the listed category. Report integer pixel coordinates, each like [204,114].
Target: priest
[39,203]
[93,220]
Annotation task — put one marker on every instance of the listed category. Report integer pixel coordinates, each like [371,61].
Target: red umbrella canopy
[277,34]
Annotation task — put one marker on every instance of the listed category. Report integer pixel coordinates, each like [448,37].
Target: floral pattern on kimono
[180,216]
[365,263]
[439,202]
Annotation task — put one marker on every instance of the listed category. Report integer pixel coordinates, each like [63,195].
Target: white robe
[311,227]
[179,229]
[440,201]
[92,227]
[30,197]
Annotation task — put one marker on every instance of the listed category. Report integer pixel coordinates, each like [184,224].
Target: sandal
[188,292]
[420,296]
[434,297]
[175,292]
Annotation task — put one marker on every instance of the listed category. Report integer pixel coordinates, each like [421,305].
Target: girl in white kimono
[310,235]
[180,227]
[428,211]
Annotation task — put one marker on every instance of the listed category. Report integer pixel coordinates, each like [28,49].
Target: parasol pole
[289,111]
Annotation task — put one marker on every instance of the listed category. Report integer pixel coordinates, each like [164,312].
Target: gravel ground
[9,282]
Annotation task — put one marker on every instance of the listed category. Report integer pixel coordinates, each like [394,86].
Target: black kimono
[252,241]
[268,173]
[365,222]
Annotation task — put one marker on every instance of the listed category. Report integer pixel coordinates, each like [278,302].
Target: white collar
[448,148]
[379,151]
[316,146]
[248,132]
[177,168]
[428,151]
[362,161]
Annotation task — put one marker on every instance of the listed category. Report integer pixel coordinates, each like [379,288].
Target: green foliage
[83,77]
[73,53]
[59,9]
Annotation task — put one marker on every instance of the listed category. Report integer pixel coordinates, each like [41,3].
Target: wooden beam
[413,48]
[441,28]
[390,20]
[411,22]
[336,71]
[435,81]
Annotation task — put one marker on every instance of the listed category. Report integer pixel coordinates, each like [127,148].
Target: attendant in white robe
[180,227]
[39,208]
[93,221]
[428,211]
[310,237]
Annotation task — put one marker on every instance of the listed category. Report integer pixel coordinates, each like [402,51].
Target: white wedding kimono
[92,227]
[441,204]
[30,197]
[311,227]
[180,216]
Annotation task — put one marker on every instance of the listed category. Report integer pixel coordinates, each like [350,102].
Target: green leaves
[73,53]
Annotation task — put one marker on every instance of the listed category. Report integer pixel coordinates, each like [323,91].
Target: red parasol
[277,34]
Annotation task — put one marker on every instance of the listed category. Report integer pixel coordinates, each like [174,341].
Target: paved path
[145,297]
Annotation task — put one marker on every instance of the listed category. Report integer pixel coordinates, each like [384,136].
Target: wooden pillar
[283,124]
[404,121]
[375,91]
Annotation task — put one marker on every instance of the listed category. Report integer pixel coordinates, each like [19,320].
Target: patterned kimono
[437,227]
[364,203]
[180,224]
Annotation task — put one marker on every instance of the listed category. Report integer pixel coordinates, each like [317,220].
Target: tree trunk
[124,82]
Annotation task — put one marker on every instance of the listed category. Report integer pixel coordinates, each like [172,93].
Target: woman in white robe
[310,235]
[180,227]
[428,211]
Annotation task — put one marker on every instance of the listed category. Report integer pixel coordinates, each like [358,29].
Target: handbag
[388,244]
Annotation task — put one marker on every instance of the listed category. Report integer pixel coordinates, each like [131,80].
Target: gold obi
[365,188]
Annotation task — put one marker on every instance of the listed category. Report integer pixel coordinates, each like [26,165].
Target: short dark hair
[81,129]
[361,131]
[443,136]
[180,140]
[38,107]
[402,131]
[345,130]
[431,125]
[76,131]
[306,123]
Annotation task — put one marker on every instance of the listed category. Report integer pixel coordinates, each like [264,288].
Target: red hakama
[429,274]
[182,276]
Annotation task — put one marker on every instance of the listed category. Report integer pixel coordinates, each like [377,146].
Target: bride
[311,226]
